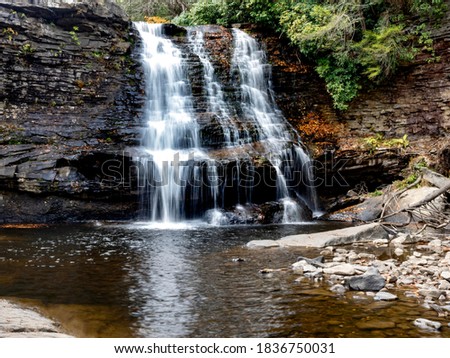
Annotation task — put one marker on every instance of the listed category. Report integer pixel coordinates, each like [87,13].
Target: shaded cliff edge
[70,101]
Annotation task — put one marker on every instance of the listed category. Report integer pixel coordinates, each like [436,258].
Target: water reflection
[162,292]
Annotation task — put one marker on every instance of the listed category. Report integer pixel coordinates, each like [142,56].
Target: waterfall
[179,179]
[170,138]
[279,138]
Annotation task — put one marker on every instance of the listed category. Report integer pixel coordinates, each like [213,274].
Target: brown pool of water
[139,281]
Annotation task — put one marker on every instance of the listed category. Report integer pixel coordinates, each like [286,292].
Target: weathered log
[434,178]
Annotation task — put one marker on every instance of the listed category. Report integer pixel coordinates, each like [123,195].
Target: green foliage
[354,43]
[429,9]
[382,50]
[74,35]
[402,142]
[420,164]
[204,12]
[26,49]
[227,12]
[378,141]
[317,28]
[410,179]
[10,33]
[375,193]
[341,78]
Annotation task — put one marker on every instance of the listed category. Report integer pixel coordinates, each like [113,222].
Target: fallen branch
[397,195]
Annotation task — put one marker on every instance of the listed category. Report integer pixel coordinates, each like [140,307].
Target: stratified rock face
[70,102]
[72,98]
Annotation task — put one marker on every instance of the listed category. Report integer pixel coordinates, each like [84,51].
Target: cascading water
[216,102]
[257,102]
[180,181]
[170,138]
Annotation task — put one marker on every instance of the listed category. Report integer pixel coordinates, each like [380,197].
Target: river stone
[399,240]
[427,324]
[380,242]
[435,243]
[340,289]
[399,252]
[445,275]
[363,233]
[255,244]
[385,296]
[342,269]
[444,285]
[339,259]
[366,282]
[430,292]
[304,266]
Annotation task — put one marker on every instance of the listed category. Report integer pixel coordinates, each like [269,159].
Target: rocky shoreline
[418,268]
[20,322]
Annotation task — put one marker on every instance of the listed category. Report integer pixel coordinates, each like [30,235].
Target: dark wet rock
[366,210]
[371,280]
[69,107]
[173,30]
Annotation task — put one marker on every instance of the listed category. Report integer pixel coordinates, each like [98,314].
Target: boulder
[371,280]
[363,233]
[339,289]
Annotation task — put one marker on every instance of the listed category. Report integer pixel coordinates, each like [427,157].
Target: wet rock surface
[70,104]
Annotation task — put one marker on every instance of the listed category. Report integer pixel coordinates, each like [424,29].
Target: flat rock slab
[385,296]
[363,233]
[18,322]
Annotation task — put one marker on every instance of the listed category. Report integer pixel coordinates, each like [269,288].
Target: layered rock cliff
[72,99]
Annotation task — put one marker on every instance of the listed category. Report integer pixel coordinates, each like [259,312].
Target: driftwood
[425,210]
